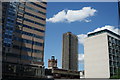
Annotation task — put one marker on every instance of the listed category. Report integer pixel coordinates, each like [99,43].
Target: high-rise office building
[70,52]
[23,31]
[102,54]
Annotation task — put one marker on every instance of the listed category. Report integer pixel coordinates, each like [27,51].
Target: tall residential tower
[70,52]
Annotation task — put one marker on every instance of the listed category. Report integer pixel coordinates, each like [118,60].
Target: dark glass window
[38,5]
[31,27]
[8,32]
[26,57]
[44,2]
[31,21]
[27,49]
[10,23]
[7,36]
[32,9]
[7,40]
[28,41]
[34,16]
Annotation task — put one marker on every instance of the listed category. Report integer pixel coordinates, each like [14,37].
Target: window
[8,32]
[110,44]
[27,49]
[37,51]
[38,5]
[31,27]
[7,36]
[12,55]
[26,57]
[28,41]
[31,21]
[34,16]
[111,63]
[8,41]
[10,20]
[32,9]
[44,2]
[111,70]
[109,38]
[37,59]
[10,23]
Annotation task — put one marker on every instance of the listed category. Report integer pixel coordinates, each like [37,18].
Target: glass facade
[23,38]
[9,23]
[114,55]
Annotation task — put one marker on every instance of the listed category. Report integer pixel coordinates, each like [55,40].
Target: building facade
[0,40]
[102,54]
[23,31]
[70,52]
[52,63]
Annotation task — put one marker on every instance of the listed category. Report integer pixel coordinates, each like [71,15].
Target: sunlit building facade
[102,54]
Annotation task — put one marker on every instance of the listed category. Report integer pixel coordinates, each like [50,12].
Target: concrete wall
[96,56]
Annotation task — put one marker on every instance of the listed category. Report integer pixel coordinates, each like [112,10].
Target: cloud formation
[111,28]
[114,29]
[81,38]
[81,58]
[73,15]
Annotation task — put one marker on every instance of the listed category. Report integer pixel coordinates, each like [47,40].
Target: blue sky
[106,14]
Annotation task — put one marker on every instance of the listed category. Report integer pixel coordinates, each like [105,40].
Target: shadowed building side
[0,40]
[23,39]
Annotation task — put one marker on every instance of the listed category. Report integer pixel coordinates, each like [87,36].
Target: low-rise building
[52,63]
[53,72]
[62,74]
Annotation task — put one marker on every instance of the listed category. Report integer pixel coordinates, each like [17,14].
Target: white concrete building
[102,54]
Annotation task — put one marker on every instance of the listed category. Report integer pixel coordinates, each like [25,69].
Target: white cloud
[81,37]
[59,17]
[111,28]
[81,58]
[73,15]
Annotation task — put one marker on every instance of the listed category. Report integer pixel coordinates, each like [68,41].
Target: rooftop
[103,31]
